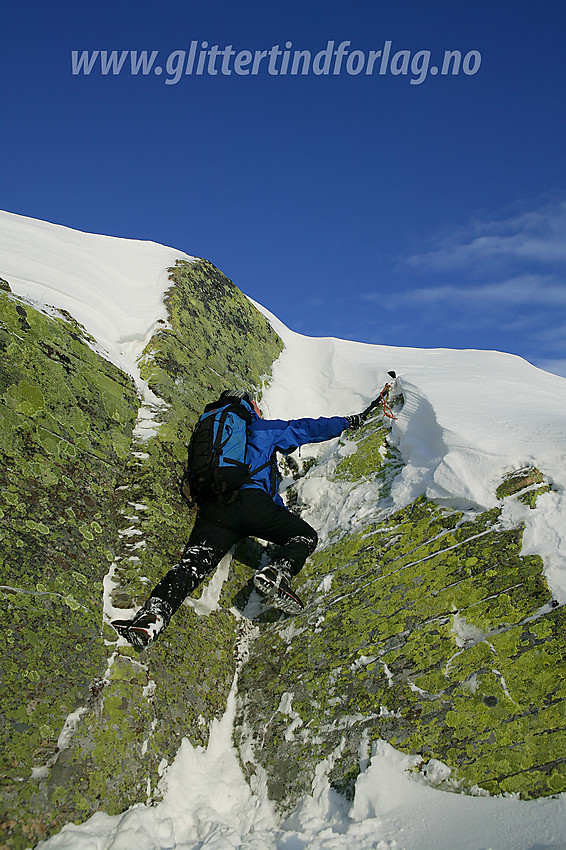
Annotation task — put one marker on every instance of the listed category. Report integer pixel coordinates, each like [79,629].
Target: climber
[255,509]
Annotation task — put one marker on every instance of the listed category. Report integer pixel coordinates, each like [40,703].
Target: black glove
[355,420]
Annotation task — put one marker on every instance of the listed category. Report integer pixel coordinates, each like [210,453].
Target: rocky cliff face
[425,627]
[90,494]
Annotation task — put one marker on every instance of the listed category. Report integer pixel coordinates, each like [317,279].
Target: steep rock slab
[215,339]
[67,417]
[92,494]
[426,628]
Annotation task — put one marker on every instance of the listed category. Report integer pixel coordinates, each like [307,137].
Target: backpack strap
[256,470]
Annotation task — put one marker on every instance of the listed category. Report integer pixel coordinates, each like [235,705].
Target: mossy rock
[216,339]
[519,480]
[82,492]
[426,628]
[526,484]
[67,417]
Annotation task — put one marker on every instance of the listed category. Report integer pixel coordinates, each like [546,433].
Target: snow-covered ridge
[469,416]
[113,287]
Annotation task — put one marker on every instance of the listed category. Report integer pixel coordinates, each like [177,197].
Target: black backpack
[216,467]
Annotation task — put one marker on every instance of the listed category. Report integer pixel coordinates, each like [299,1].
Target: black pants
[219,527]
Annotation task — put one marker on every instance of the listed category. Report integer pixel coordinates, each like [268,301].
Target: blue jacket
[268,436]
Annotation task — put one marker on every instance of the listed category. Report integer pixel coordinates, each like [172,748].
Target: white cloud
[537,237]
[524,290]
[497,283]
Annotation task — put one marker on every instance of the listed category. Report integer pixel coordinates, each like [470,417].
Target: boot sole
[138,638]
[278,597]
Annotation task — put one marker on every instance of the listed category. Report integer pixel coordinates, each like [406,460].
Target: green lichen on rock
[66,422]
[518,480]
[431,631]
[146,705]
[371,450]
[424,626]
[215,339]
[526,484]
[373,458]
[83,492]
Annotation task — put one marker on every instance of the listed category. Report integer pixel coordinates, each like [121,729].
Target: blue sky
[378,207]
